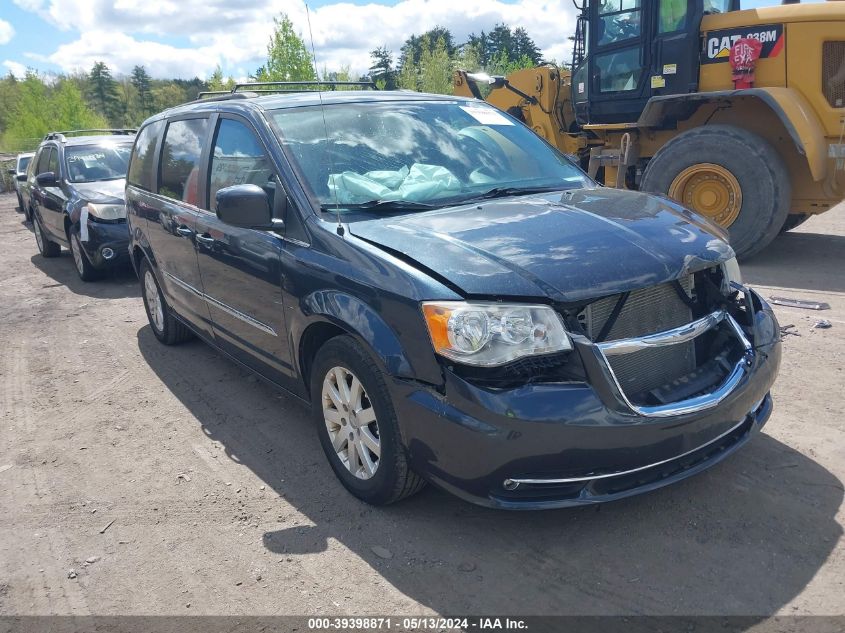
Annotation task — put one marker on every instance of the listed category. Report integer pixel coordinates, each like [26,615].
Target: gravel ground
[141,479]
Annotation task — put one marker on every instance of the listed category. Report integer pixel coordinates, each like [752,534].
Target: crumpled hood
[106,191]
[577,245]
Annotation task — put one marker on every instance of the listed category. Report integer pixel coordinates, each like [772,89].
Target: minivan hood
[581,244]
[107,191]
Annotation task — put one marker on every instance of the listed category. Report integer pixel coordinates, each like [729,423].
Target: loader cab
[627,51]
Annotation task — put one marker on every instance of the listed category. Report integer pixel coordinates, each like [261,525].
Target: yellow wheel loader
[738,114]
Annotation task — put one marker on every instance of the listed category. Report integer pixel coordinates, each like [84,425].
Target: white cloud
[234,34]
[16,68]
[7,32]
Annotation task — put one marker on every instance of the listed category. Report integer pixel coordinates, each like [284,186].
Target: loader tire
[793,221]
[731,176]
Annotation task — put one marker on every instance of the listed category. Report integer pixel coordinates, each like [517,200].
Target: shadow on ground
[803,261]
[743,538]
[117,283]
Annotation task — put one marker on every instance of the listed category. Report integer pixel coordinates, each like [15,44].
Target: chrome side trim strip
[222,306]
[572,480]
[674,336]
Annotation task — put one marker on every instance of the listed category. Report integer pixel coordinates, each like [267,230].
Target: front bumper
[107,239]
[564,444]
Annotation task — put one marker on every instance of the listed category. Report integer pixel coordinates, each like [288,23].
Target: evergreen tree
[141,81]
[104,93]
[382,71]
[523,46]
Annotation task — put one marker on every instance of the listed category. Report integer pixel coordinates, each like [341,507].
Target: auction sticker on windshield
[487,116]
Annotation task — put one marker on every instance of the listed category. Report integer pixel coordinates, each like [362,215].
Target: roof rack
[60,136]
[257,88]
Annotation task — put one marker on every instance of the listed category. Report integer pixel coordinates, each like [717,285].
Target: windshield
[418,154]
[89,163]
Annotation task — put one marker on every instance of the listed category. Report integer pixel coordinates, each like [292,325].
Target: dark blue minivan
[456,299]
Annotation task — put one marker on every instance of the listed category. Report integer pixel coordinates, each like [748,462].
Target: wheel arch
[789,107]
[332,313]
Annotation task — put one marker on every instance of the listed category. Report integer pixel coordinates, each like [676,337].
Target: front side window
[416,152]
[619,71]
[143,154]
[91,163]
[673,15]
[238,158]
[53,162]
[180,160]
[43,160]
[619,20]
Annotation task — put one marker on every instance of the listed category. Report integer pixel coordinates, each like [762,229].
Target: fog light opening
[107,253]
[510,484]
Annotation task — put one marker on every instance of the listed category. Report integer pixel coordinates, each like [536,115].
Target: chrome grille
[833,71]
[647,311]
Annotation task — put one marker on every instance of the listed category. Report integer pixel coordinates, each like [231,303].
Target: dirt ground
[172,482]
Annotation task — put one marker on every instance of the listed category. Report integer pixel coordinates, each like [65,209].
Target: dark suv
[75,197]
[456,299]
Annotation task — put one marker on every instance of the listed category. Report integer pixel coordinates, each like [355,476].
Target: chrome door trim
[222,306]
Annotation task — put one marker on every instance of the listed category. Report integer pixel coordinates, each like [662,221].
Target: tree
[382,71]
[104,92]
[288,58]
[141,81]
[523,46]
[435,68]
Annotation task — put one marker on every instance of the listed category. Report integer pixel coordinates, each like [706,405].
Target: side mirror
[47,179]
[246,206]
[20,177]
[12,171]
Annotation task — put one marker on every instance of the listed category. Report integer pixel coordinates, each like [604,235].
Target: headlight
[107,211]
[489,334]
[730,272]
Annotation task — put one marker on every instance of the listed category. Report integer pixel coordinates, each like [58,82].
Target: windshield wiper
[380,205]
[504,192]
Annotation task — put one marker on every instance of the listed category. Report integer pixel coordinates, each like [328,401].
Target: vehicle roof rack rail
[304,86]
[61,135]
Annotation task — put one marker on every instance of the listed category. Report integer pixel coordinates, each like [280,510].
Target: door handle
[184,231]
[206,240]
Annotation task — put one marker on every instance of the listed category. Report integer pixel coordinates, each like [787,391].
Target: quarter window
[180,160]
[141,165]
[238,159]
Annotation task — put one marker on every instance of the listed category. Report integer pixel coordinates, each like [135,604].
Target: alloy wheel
[155,306]
[351,422]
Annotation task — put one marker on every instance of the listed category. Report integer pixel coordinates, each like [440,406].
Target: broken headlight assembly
[730,274]
[493,334]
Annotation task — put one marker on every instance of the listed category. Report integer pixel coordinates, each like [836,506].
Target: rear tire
[368,421]
[45,246]
[166,327]
[765,188]
[793,221]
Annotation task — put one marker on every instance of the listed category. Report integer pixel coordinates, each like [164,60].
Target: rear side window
[180,159]
[238,159]
[143,154]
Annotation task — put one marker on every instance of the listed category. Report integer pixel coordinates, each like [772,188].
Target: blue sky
[187,38]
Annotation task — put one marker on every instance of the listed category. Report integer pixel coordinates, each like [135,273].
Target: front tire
[166,327]
[730,175]
[84,268]
[20,202]
[45,246]
[357,424]
[793,221]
